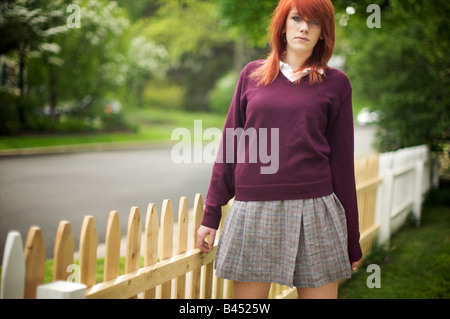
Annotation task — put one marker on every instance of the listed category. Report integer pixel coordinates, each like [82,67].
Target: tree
[250,18]
[28,29]
[403,69]
[29,25]
[199,46]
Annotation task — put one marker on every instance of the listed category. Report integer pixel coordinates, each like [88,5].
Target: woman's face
[301,35]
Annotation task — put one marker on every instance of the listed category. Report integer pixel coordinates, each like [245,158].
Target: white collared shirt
[289,73]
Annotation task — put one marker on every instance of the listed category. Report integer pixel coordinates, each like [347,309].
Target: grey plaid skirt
[297,243]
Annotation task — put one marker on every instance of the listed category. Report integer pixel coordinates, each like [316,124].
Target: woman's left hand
[355,265]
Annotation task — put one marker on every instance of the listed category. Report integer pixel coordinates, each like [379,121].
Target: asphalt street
[45,189]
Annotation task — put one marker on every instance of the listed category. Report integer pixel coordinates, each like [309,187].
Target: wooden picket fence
[188,273]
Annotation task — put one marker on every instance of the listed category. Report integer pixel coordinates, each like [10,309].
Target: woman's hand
[202,232]
[355,265]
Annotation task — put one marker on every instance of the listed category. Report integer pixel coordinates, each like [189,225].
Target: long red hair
[321,11]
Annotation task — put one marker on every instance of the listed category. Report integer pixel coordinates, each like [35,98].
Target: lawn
[153,125]
[417,264]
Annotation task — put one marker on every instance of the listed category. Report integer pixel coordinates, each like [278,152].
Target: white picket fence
[404,177]
[407,174]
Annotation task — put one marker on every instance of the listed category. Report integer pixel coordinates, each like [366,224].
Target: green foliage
[250,18]
[164,96]
[9,115]
[222,94]
[403,70]
[60,67]
[186,27]
[199,46]
[178,54]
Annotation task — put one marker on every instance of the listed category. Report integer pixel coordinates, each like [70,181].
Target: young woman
[297,226]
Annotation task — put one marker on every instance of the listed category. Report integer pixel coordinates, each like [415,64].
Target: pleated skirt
[297,243]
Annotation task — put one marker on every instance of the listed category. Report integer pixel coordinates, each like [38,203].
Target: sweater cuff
[212,216]
[354,252]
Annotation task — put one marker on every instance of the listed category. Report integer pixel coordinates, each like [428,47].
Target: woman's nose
[304,27]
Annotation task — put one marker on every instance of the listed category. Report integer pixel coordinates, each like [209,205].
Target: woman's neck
[295,61]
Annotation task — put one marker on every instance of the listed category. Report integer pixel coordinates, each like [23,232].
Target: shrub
[221,96]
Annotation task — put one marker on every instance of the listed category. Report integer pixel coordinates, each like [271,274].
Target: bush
[9,117]
[221,96]
[402,68]
[165,97]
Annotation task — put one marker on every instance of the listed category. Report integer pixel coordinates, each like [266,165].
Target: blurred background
[97,72]
[132,70]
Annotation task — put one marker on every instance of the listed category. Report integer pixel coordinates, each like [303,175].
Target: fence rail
[382,181]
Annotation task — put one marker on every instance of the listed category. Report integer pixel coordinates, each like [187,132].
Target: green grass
[152,125]
[48,270]
[417,264]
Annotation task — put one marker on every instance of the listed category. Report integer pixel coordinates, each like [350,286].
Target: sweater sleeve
[340,135]
[221,189]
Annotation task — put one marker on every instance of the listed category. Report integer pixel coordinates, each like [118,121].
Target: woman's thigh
[328,291]
[251,290]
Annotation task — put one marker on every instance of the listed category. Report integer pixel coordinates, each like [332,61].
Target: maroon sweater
[313,155]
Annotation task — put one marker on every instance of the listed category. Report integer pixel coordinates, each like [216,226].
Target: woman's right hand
[202,232]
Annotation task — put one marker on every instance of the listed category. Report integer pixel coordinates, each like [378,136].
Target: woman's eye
[313,22]
[297,19]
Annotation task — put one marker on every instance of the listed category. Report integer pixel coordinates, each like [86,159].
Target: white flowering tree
[145,61]
[101,59]
[27,29]
[76,52]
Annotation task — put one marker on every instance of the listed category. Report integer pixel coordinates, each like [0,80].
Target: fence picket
[151,243]
[13,268]
[227,284]
[63,251]
[367,181]
[208,280]
[112,247]
[196,273]
[88,251]
[218,292]
[166,244]
[182,239]
[34,255]
[134,238]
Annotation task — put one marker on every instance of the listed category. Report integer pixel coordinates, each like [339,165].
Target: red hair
[321,11]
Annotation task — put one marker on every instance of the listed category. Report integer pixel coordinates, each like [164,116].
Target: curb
[79,148]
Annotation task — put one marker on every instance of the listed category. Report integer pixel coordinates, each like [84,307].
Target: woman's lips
[303,39]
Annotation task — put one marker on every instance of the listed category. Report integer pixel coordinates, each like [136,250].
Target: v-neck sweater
[298,140]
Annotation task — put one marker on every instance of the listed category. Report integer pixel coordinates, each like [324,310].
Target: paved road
[43,190]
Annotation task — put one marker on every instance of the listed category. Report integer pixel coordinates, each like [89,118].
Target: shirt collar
[289,72]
